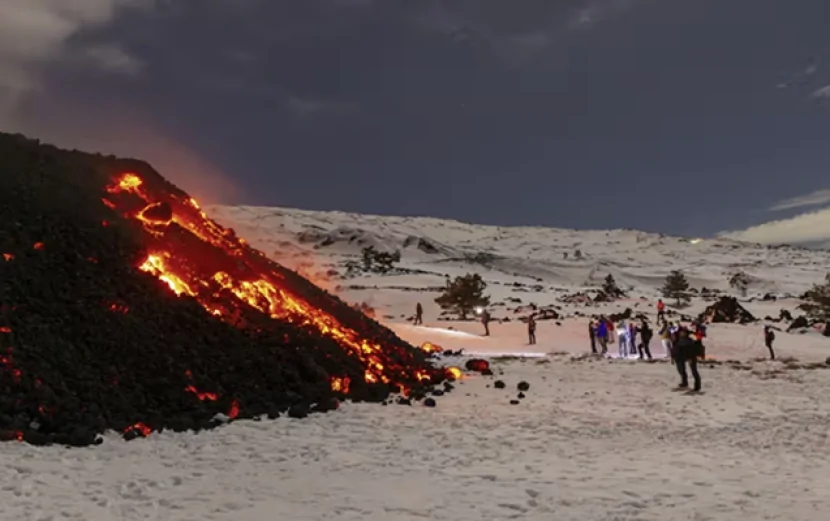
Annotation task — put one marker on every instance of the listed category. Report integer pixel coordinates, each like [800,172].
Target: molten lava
[198,258]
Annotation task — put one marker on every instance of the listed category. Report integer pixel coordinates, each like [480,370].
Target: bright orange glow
[140,427]
[454,373]
[429,347]
[38,246]
[8,257]
[197,257]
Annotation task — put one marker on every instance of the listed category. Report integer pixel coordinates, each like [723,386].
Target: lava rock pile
[727,309]
[123,307]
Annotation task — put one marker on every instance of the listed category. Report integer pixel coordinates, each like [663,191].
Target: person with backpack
[645,339]
[769,338]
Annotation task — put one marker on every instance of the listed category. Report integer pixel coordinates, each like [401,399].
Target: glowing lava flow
[234,270]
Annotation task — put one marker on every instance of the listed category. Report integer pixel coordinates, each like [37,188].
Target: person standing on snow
[645,339]
[769,338]
[661,310]
[419,315]
[592,334]
[602,334]
[687,350]
[665,339]
[531,330]
[632,338]
[485,321]
[622,338]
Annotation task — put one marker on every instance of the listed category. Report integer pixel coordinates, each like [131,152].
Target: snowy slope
[524,254]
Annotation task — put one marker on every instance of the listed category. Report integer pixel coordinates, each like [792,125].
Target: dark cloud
[574,112]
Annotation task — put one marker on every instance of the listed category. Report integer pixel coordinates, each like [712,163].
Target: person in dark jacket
[687,350]
[769,338]
[602,334]
[531,330]
[592,334]
[419,315]
[485,321]
[646,333]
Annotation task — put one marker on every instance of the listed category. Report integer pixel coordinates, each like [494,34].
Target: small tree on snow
[820,296]
[740,281]
[610,288]
[463,295]
[676,287]
[379,261]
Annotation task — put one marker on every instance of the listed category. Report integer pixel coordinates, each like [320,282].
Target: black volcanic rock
[89,342]
[726,309]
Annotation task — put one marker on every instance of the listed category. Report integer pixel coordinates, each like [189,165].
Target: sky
[691,117]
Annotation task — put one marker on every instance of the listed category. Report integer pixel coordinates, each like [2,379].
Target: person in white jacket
[623,339]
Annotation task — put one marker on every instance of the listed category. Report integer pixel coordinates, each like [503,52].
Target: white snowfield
[598,440]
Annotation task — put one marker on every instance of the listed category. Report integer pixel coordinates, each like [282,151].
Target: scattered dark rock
[520,396]
[477,365]
[523,386]
[514,402]
[429,402]
[499,384]
[726,310]
[800,322]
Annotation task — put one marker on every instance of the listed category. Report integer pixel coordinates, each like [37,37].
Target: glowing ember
[38,246]
[220,265]
[140,428]
[8,257]
[454,373]
[202,396]
[429,347]
[234,410]
[5,329]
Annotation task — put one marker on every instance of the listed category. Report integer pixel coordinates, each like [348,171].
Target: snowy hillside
[529,255]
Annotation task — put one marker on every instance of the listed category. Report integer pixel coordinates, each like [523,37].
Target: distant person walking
[419,315]
[661,310]
[602,333]
[485,321]
[769,338]
[592,334]
[531,330]
[645,339]
[686,351]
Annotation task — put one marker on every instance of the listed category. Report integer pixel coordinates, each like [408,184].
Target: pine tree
[610,288]
[463,295]
[676,287]
[740,281]
[819,295]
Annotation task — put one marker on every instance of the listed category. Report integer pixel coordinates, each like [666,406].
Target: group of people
[683,345]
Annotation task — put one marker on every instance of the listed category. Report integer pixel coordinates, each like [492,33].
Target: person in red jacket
[661,310]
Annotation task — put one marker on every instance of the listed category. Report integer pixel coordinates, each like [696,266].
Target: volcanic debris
[124,307]
[727,309]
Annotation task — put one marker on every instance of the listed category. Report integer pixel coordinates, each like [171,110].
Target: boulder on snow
[726,310]
[800,322]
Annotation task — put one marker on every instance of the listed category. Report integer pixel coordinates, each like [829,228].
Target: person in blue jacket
[602,334]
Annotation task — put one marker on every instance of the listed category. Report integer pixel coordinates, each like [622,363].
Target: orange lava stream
[263,293]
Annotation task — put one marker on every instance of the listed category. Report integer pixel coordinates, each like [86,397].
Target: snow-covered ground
[592,440]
